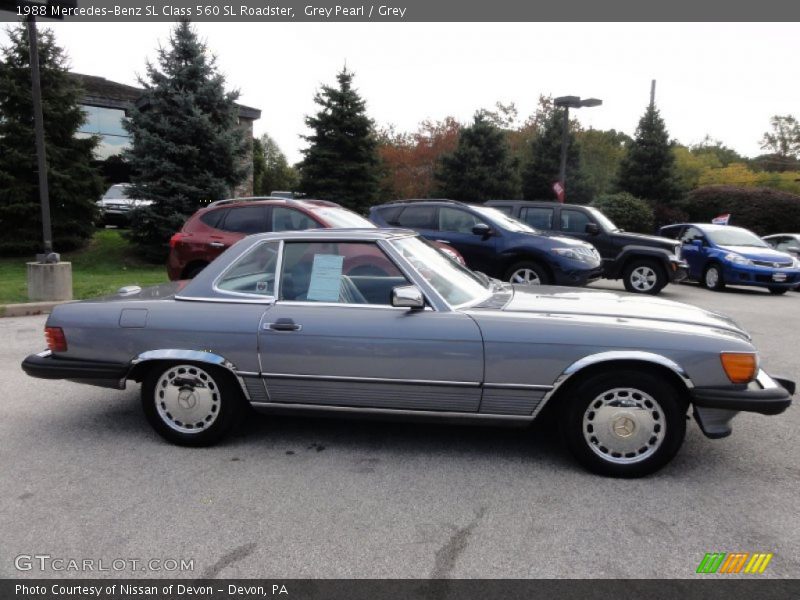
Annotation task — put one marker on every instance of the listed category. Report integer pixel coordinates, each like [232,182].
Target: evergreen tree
[648,168]
[73,183]
[542,170]
[186,144]
[271,171]
[341,161]
[481,167]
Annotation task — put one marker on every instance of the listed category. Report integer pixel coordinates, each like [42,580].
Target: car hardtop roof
[711,226]
[536,203]
[334,234]
[783,234]
[275,200]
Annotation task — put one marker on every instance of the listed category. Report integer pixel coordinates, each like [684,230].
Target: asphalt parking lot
[83,476]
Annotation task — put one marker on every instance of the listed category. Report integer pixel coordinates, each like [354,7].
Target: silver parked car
[116,205]
[378,321]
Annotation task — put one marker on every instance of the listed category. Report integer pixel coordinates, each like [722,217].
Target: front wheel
[189,404]
[527,273]
[712,278]
[626,423]
[644,277]
[777,291]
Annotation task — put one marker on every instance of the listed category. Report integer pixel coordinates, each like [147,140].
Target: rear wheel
[644,277]
[527,273]
[712,278]
[777,291]
[626,423]
[190,404]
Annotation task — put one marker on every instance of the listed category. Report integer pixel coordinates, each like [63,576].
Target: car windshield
[116,192]
[341,217]
[604,221]
[503,220]
[735,236]
[456,284]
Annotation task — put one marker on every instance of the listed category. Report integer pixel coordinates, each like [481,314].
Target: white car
[116,205]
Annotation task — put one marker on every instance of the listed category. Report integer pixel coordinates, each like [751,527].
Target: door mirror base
[482,229]
[592,228]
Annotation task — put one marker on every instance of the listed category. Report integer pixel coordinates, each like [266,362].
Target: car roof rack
[415,200]
[277,198]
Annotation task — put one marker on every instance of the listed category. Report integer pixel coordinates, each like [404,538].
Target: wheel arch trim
[178,354]
[639,356]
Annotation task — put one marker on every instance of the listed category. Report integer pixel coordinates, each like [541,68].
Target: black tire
[777,291]
[656,419]
[534,268]
[644,276]
[717,284]
[218,405]
[192,271]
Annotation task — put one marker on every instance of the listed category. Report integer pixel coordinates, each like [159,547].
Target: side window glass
[289,219]
[253,272]
[417,217]
[246,219]
[574,221]
[458,221]
[538,218]
[691,234]
[345,273]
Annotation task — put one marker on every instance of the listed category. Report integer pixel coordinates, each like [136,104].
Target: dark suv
[494,244]
[645,263]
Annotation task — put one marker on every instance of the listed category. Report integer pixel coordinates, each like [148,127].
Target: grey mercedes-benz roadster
[379,321]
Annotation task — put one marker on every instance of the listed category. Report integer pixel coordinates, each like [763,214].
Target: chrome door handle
[216,245]
[443,242]
[283,325]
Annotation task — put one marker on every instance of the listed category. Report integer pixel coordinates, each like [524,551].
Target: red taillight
[173,241]
[56,340]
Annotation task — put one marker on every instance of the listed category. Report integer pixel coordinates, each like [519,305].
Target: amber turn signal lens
[740,367]
[56,340]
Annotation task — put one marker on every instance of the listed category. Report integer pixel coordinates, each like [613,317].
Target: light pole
[567,102]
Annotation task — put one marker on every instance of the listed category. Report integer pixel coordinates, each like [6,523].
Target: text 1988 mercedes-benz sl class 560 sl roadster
[378,321]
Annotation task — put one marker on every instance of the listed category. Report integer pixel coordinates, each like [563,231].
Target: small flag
[722,219]
[559,190]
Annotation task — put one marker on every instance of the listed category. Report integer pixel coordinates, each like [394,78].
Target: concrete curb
[29,309]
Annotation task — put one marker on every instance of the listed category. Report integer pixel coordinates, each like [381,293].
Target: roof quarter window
[214,218]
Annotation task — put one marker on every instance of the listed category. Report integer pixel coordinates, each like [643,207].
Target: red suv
[209,231]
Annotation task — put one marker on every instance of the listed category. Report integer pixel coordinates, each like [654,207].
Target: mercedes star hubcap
[187,399]
[624,425]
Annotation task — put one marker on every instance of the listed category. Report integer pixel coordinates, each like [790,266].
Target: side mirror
[697,243]
[482,229]
[592,228]
[407,296]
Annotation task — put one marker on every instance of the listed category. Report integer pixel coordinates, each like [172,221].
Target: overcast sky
[725,80]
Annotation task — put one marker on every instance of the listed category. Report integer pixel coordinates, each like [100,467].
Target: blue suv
[494,243]
[720,254]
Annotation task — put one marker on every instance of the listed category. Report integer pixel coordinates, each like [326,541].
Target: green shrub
[763,210]
[627,211]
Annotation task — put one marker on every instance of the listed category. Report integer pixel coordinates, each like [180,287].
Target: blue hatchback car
[494,243]
[720,254]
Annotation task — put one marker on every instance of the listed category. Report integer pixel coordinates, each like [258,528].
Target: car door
[693,254]
[334,339]
[454,227]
